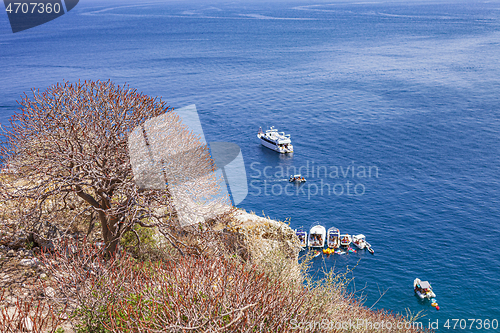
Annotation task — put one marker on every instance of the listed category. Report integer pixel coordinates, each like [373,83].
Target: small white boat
[345,240]
[317,236]
[296,179]
[333,236]
[302,235]
[369,247]
[359,241]
[423,289]
[277,141]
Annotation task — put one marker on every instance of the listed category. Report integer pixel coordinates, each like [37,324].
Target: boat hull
[302,235]
[317,237]
[423,294]
[359,242]
[333,241]
[273,146]
[359,245]
[345,240]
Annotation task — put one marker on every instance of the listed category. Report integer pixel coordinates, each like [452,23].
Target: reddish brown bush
[192,293]
[198,294]
[29,314]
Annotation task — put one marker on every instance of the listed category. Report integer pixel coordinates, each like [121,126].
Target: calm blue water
[409,91]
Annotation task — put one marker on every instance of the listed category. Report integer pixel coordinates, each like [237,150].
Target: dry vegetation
[192,293]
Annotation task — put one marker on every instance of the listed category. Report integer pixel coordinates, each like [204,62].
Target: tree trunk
[110,232]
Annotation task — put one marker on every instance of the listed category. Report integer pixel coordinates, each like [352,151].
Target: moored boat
[359,241]
[345,239]
[302,235]
[317,236]
[333,237]
[277,141]
[296,179]
[423,289]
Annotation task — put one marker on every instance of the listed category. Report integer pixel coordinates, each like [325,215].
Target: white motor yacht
[277,141]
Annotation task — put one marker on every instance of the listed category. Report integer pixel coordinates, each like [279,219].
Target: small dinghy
[423,289]
[339,251]
[296,179]
[369,248]
[316,253]
[333,236]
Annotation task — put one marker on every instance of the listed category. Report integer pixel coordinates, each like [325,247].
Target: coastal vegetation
[108,256]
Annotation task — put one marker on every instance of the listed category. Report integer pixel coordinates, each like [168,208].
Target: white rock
[50,292]
[27,262]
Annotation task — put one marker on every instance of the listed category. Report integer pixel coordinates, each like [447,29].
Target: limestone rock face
[264,235]
[270,244]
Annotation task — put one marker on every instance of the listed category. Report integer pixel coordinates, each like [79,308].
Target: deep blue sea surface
[406,94]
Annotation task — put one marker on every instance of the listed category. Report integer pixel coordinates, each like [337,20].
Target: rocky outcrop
[265,235]
[270,244]
[265,242]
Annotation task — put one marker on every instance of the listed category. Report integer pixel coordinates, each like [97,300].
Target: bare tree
[69,146]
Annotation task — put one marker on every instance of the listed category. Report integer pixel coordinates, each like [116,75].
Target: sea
[393,108]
